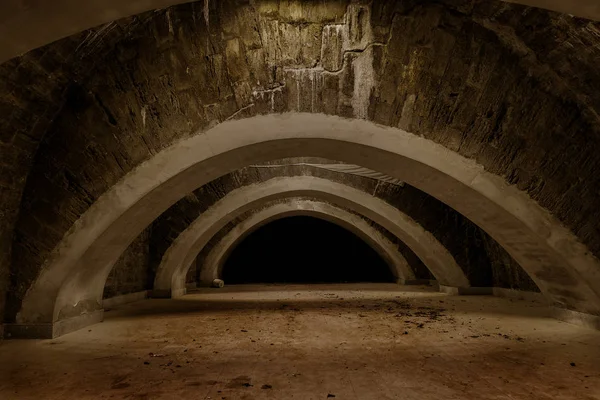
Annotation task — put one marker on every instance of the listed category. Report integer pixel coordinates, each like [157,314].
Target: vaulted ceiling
[516,89]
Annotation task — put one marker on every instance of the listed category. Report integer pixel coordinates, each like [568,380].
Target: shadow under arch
[212,268]
[70,282]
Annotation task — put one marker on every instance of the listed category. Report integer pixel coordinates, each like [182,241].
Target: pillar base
[521,295]
[52,330]
[418,282]
[467,291]
[124,299]
[576,318]
[166,293]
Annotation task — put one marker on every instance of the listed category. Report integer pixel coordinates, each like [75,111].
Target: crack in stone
[271,92]
[232,116]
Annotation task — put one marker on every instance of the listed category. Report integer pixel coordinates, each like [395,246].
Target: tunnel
[304,250]
[312,199]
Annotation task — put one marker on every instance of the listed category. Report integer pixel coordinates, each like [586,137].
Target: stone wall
[473,76]
[131,273]
[33,90]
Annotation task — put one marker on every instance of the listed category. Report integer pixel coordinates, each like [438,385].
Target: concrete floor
[371,341]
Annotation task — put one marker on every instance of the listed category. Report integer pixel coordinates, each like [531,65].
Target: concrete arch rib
[71,280]
[295,207]
[170,276]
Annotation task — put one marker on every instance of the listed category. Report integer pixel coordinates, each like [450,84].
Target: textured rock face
[33,90]
[130,273]
[497,83]
[28,25]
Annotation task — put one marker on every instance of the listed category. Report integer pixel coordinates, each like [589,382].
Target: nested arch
[73,277]
[212,267]
[171,273]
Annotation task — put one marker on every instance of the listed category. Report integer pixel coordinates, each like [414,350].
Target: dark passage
[304,250]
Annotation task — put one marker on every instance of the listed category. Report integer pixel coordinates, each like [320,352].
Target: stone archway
[170,276]
[71,281]
[327,212]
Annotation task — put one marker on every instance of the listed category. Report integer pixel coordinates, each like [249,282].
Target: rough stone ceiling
[560,51]
[556,54]
[24,27]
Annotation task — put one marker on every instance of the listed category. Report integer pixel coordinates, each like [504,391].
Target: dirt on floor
[359,341]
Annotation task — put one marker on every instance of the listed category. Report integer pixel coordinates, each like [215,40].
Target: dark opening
[304,250]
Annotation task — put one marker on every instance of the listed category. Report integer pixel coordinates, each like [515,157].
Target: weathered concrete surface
[306,342]
[577,318]
[485,79]
[55,329]
[26,27]
[213,267]
[171,274]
